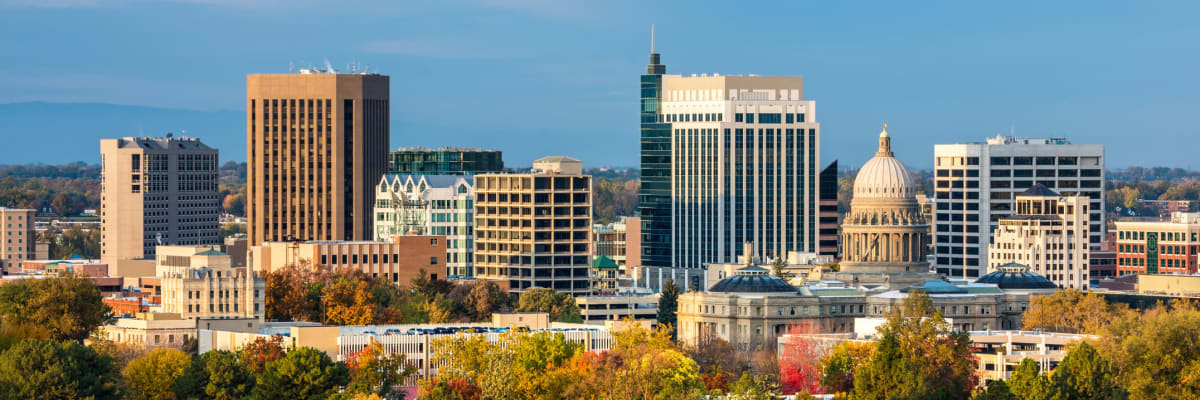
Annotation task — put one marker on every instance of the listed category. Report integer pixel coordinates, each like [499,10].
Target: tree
[1084,375]
[668,305]
[54,370]
[152,376]
[716,361]
[217,375]
[1156,354]
[918,356]
[235,204]
[800,361]
[752,387]
[374,371]
[257,354]
[348,302]
[1069,311]
[69,306]
[67,204]
[304,373]
[996,390]
[839,365]
[1027,382]
[560,306]
[777,266]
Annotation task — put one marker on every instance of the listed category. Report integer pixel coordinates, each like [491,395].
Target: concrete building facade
[199,282]
[725,160]
[534,230]
[442,205]
[620,241]
[156,191]
[18,240]
[398,261]
[1048,233]
[976,185]
[316,146]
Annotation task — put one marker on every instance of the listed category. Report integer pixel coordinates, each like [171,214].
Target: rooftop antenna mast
[651,38]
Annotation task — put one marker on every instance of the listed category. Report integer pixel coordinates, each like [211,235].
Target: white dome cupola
[884,176]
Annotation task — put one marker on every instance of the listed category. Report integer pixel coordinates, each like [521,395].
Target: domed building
[884,234]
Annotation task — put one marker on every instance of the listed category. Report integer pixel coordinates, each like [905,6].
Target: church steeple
[885,144]
[655,67]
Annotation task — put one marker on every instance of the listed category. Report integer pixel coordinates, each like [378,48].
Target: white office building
[1049,234]
[429,205]
[977,183]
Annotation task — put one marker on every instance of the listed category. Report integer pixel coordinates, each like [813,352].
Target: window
[433,260]
[433,242]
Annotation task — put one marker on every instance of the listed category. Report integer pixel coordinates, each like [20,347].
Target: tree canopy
[56,370]
[68,307]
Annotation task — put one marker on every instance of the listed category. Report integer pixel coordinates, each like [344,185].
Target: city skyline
[902,65]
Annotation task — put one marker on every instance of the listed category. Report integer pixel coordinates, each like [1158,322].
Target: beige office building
[1049,233]
[316,146]
[201,282]
[17,238]
[156,191]
[534,230]
[398,260]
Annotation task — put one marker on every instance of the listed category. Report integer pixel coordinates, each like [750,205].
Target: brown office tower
[316,146]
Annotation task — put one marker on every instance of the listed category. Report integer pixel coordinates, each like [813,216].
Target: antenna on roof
[329,67]
[291,66]
[651,38]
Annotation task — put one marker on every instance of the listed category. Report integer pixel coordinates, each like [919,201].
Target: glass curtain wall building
[726,160]
[444,161]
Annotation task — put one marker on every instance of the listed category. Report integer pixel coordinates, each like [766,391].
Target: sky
[539,77]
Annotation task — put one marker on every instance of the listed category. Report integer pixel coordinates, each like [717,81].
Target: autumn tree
[560,306]
[304,373]
[375,371]
[717,362]
[839,365]
[152,376]
[1156,354]
[348,302]
[1069,311]
[800,361]
[257,354]
[68,306]
[56,370]
[918,356]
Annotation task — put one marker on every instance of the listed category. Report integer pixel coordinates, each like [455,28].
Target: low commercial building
[75,264]
[417,342]
[127,307]
[639,305]
[1171,285]
[151,330]
[998,353]
[429,205]
[236,247]
[204,284]
[1158,247]
[1048,233]
[620,241]
[399,260]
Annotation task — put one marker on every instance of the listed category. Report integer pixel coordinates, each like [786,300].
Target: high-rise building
[619,242]
[1048,234]
[156,191]
[976,184]
[444,161]
[725,160]
[18,242]
[442,205]
[534,229]
[1158,247]
[316,146]
[828,222]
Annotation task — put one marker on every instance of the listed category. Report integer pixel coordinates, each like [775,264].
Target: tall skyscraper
[828,223]
[976,185]
[725,160]
[444,161]
[156,191]
[534,229]
[316,146]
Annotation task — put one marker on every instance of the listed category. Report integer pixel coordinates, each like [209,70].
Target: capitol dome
[884,176]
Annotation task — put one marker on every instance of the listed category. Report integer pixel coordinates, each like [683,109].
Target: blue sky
[535,77]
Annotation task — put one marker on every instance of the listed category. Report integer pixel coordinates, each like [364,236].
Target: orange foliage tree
[800,360]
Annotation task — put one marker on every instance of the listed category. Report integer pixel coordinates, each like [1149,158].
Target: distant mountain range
[57,133]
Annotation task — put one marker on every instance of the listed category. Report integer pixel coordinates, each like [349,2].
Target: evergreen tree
[668,304]
[1085,375]
[1027,383]
[52,370]
[997,390]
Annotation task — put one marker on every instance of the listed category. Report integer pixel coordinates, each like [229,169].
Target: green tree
[375,371]
[1027,382]
[304,373]
[997,390]
[69,306]
[217,375]
[777,266]
[151,377]
[1084,375]
[752,387]
[668,305]
[560,306]
[918,356]
[839,365]
[54,370]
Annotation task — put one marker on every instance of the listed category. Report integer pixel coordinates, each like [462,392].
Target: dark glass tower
[654,196]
